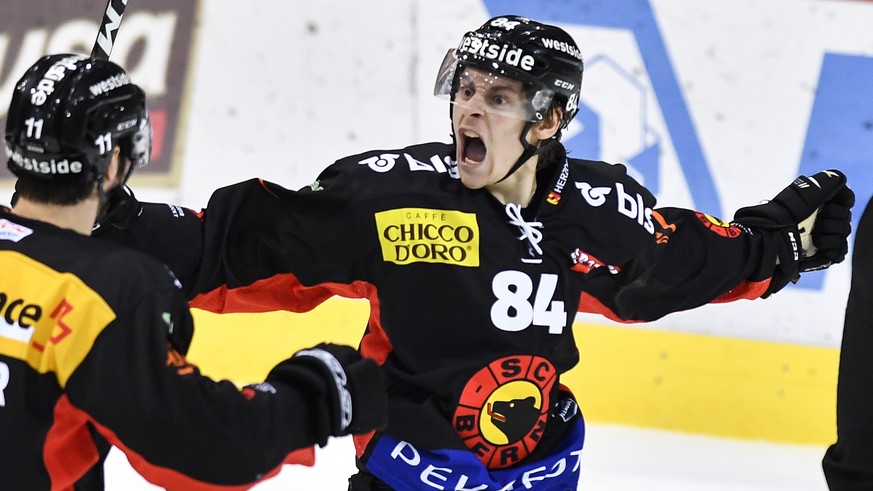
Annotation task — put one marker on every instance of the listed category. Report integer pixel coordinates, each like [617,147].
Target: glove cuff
[787,268]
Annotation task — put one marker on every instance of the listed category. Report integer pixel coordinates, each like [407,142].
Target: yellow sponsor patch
[411,235]
[47,319]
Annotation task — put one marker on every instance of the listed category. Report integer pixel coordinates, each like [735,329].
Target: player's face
[488,115]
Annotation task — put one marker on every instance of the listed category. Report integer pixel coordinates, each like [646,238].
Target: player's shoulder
[606,196]
[137,264]
[594,174]
[117,273]
[105,266]
[128,279]
[375,174]
[434,157]
[418,150]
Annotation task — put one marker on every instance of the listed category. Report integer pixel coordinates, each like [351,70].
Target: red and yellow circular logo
[503,409]
[720,227]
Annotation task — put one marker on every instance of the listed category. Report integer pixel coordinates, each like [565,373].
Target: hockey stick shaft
[108,29]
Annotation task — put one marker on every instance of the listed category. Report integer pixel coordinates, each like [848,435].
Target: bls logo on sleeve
[410,235]
[503,409]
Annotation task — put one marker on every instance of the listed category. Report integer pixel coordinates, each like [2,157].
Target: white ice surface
[616,458]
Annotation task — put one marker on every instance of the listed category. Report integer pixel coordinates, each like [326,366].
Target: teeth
[470,134]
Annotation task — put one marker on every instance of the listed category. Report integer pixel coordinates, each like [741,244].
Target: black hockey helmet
[68,112]
[545,58]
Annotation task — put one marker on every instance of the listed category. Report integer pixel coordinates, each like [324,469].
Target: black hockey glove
[119,211]
[829,233]
[355,386]
[814,214]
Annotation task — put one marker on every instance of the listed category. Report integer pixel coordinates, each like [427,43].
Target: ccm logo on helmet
[54,74]
[563,84]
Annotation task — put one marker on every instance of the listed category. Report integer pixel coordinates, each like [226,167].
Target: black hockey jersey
[472,301]
[92,345]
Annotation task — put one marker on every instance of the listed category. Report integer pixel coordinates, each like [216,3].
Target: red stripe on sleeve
[68,451]
[279,292]
[748,290]
[589,303]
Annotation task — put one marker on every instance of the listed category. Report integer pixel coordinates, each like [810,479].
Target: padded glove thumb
[828,235]
[795,203]
[356,387]
[818,201]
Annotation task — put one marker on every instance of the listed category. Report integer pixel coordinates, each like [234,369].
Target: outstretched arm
[169,233]
[693,258]
[183,430]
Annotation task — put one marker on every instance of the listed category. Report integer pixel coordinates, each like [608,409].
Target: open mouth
[473,148]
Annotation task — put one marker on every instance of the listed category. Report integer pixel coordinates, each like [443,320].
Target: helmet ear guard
[542,102]
[125,119]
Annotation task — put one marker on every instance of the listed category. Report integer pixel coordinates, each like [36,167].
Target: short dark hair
[68,191]
[553,150]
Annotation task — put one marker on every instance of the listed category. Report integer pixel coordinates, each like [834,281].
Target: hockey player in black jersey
[475,256]
[848,462]
[93,336]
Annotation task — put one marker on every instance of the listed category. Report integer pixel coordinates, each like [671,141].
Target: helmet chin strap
[529,150]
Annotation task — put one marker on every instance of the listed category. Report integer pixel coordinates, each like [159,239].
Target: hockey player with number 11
[476,255]
[93,336]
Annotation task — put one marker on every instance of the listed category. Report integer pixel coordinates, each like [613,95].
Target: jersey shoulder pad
[376,173]
[433,157]
[603,174]
[133,264]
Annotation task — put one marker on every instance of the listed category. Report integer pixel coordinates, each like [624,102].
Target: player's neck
[78,218]
[519,187]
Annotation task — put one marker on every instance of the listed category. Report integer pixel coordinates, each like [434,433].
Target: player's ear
[115,170]
[550,124]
